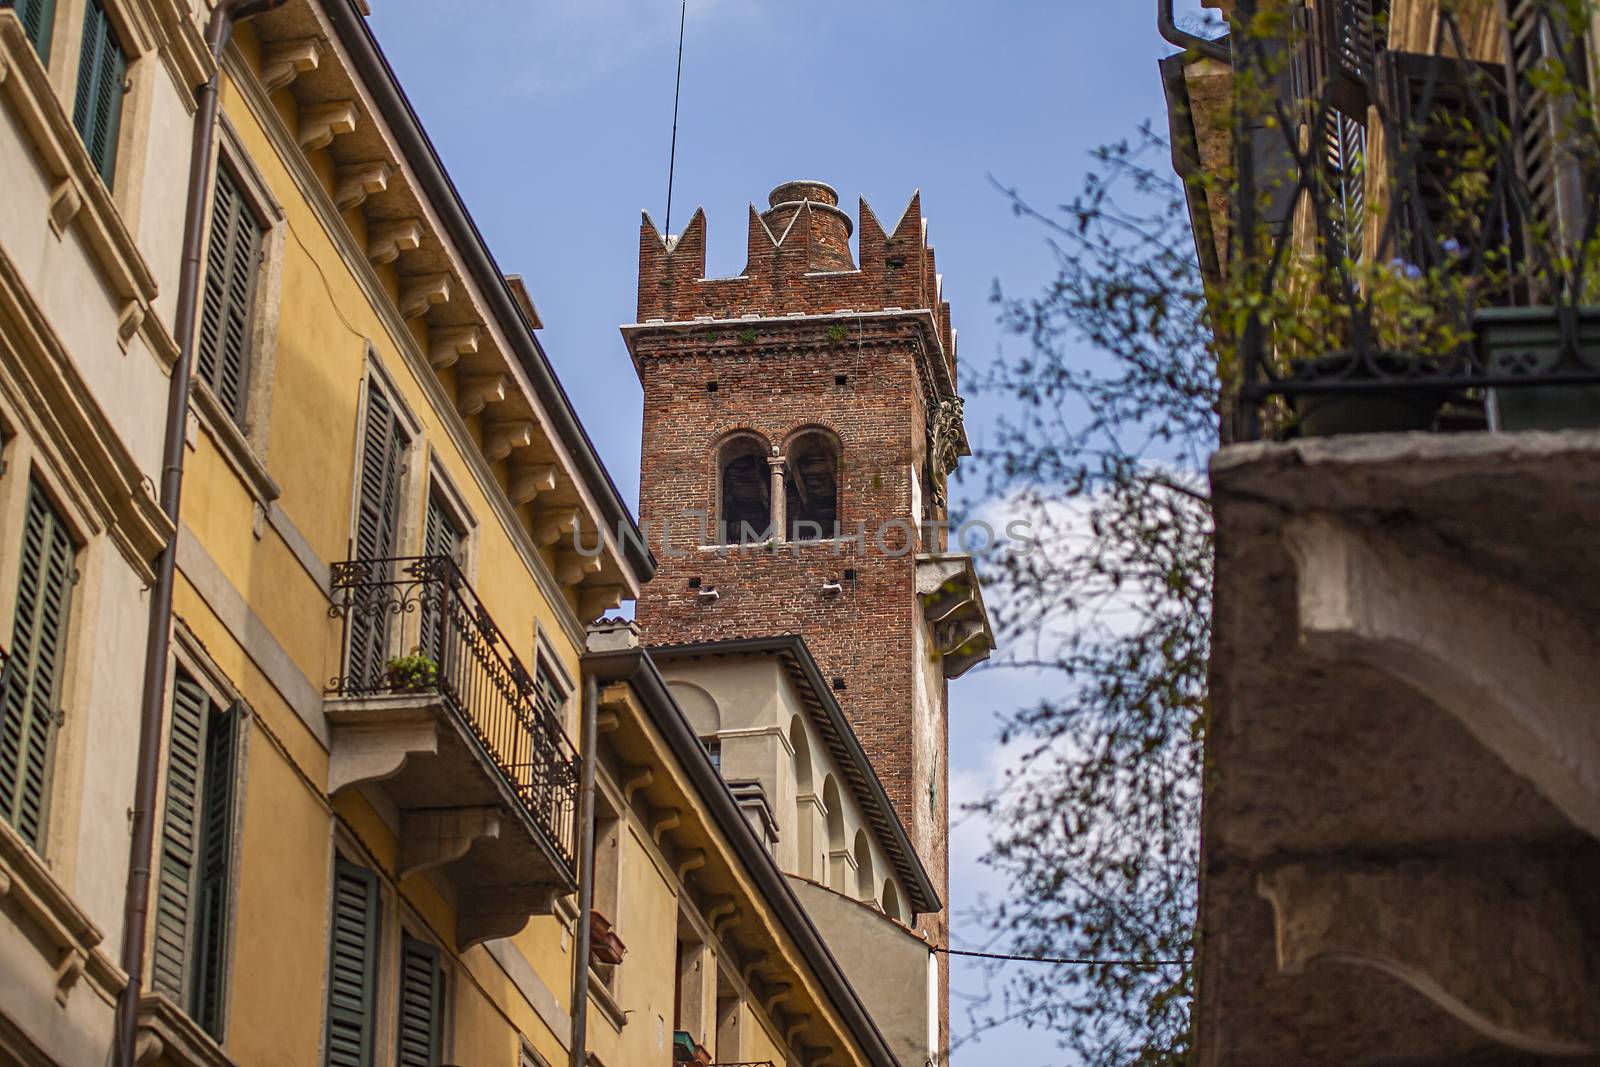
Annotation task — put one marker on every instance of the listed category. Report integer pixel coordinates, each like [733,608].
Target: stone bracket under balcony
[952,603]
[457,815]
[1500,940]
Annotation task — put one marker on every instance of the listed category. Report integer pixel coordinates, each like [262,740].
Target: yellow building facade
[393,538]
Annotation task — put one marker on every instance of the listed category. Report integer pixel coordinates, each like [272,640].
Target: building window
[744,483]
[529,1057]
[352,967]
[713,747]
[37,17]
[421,1001]
[233,260]
[102,73]
[35,667]
[811,486]
[191,938]
[383,447]
[607,886]
[442,536]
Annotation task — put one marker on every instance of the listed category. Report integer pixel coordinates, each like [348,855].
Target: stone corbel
[448,344]
[388,239]
[551,526]
[528,482]
[638,778]
[475,394]
[353,184]
[751,965]
[693,861]
[421,292]
[435,838]
[667,821]
[374,750]
[780,992]
[128,323]
[484,913]
[501,439]
[1499,941]
[69,968]
[573,567]
[595,601]
[796,1025]
[65,202]
[719,908]
[284,61]
[321,123]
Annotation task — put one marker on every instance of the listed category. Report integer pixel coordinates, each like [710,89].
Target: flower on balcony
[412,673]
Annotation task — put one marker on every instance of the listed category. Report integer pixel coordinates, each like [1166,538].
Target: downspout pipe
[136,905]
[590,730]
[1172,33]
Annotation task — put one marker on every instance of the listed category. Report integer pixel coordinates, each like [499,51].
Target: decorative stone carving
[475,394]
[501,439]
[386,240]
[321,123]
[420,292]
[353,184]
[553,525]
[65,201]
[573,567]
[448,344]
[595,601]
[284,61]
[944,447]
[529,481]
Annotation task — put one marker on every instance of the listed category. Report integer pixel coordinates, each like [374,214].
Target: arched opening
[804,815]
[811,486]
[834,860]
[744,481]
[891,901]
[866,881]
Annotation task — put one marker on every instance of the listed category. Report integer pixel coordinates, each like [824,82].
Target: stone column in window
[780,520]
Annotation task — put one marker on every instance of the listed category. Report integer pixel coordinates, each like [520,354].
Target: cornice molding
[79,195]
[355,259]
[48,391]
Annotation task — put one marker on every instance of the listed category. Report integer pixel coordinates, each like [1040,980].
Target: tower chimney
[817,204]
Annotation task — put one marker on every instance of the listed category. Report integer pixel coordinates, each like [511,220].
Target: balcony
[453,741]
[1411,245]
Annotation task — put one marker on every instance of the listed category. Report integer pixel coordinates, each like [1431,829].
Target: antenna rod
[672,165]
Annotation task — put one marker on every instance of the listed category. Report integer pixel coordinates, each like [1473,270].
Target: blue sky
[554,119]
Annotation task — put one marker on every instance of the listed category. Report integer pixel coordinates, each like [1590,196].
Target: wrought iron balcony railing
[1416,228]
[457,652]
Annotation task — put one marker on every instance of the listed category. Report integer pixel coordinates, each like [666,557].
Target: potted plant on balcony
[686,1050]
[414,673]
[605,947]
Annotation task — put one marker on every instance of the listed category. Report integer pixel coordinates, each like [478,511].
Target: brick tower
[811,404]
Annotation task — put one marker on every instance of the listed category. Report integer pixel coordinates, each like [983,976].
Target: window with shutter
[233,253]
[37,17]
[1542,49]
[421,1004]
[33,673]
[102,71]
[352,966]
[191,940]
[441,537]
[377,521]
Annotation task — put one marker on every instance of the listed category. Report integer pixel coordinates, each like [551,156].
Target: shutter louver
[421,1004]
[215,857]
[33,673]
[352,966]
[37,17]
[180,839]
[102,69]
[440,538]
[377,517]
[232,254]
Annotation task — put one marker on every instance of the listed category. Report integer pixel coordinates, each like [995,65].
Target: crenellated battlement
[799,263]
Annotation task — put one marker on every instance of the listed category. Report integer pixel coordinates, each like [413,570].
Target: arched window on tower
[811,486]
[744,481]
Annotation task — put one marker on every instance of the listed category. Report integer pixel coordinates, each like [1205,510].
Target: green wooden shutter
[421,1004]
[102,70]
[180,838]
[440,538]
[377,519]
[233,254]
[38,16]
[30,714]
[352,966]
[207,989]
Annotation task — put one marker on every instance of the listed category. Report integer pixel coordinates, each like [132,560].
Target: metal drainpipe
[1167,23]
[580,962]
[136,905]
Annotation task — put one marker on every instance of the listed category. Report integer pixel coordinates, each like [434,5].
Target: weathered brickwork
[804,340]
